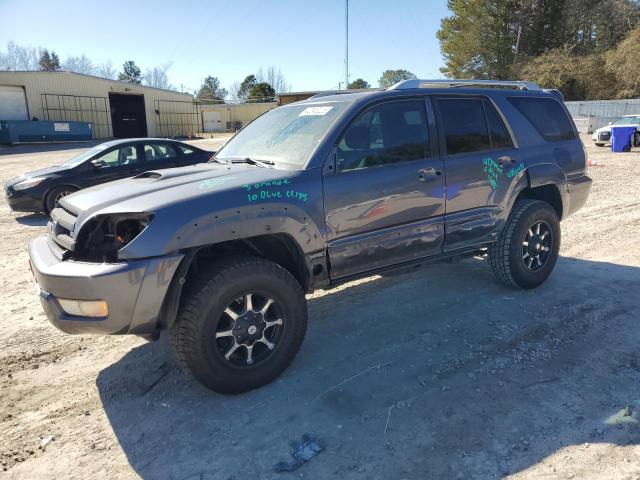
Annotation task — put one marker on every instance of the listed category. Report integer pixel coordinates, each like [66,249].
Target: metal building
[115,109]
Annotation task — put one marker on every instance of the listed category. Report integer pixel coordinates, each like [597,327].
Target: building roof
[84,75]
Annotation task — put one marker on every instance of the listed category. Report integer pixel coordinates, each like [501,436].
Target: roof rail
[447,83]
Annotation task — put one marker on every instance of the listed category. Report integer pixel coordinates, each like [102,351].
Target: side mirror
[97,164]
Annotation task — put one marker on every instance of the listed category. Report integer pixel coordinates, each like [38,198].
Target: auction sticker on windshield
[314,111]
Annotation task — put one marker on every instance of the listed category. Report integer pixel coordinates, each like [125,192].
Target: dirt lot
[435,373]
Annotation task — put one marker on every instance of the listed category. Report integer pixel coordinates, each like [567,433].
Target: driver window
[118,157]
[392,132]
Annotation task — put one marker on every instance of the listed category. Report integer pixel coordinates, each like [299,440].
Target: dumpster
[29,131]
[621,138]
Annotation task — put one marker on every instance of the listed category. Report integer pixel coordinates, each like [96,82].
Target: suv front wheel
[527,249]
[241,324]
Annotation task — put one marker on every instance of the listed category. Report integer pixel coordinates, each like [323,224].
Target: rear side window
[500,137]
[464,125]
[547,116]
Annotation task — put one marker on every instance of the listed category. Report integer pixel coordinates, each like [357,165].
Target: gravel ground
[431,373]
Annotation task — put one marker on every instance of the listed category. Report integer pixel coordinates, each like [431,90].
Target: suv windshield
[286,135]
[627,121]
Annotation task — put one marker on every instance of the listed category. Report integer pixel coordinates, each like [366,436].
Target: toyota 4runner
[309,195]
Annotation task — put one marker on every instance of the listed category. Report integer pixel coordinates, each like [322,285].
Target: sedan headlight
[29,183]
[102,237]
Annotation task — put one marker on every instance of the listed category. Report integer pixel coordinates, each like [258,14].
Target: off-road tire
[505,255]
[193,334]
[636,139]
[54,195]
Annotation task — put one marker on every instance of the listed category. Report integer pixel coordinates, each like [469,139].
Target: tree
[157,77]
[273,77]
[262,92]
[622,64]
[478,39]
[359,83]
[391,77]
[81,64]
[130,73]
[17,57]
[49,61]
[247,84]
[105,70]
[210,90]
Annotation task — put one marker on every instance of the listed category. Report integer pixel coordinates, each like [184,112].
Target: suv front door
[384,201]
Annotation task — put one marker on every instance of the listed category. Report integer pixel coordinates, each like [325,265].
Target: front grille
[61,229]
[604,135]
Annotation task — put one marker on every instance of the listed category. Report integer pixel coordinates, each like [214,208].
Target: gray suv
[307,196]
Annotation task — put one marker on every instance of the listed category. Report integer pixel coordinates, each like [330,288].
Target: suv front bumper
[134,290]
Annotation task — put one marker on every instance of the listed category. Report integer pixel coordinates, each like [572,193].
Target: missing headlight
[102,237]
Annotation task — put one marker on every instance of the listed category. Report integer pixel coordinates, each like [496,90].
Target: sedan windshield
[627,121]
[286,135]
[78,159]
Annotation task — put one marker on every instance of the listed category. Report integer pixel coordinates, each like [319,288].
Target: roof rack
[442,83]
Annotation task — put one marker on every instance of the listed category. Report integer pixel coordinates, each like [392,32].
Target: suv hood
[157,189]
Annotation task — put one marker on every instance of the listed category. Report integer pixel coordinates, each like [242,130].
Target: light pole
[346,44]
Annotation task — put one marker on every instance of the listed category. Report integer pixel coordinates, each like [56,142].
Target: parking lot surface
[431,373]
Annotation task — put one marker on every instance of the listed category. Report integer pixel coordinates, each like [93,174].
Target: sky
[234,38]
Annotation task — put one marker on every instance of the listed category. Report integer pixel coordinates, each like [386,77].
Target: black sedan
[40,190]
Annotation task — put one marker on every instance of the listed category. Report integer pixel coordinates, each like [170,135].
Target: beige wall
[243,112]
[65,83]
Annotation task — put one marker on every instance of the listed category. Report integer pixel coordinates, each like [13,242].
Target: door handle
[428,174]
[506,159]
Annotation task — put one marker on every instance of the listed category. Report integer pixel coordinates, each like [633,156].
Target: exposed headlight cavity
[102,237]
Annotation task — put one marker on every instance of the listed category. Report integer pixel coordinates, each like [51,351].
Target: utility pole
[346,44]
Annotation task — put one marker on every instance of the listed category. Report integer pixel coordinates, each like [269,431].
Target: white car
[603,134]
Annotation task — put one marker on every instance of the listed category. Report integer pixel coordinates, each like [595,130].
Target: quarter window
[389,133]
[464,125]
[500,137]
[547,116]
[186,150]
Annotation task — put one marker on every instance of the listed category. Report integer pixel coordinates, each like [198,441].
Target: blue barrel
[621,138]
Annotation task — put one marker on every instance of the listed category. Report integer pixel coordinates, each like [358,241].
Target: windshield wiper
[253,161]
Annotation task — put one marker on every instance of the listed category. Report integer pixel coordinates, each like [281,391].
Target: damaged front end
[100,238]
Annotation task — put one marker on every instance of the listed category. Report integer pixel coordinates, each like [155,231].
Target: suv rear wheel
[527,249]
[240,325]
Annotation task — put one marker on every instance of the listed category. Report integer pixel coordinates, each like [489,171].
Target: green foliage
[359,83]
[210,90]
[574,45]
[130,73]
[622,63]
[49,61]
[247,84]
[262,92]
[391,77]
[478,40]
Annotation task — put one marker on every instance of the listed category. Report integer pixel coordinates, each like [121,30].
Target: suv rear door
[384,203]
[479,156]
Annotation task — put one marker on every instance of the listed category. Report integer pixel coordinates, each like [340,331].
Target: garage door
[211,122]
[13,104]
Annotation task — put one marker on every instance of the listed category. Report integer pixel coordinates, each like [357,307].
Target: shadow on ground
[45,147]
[33,220]
[437,373]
